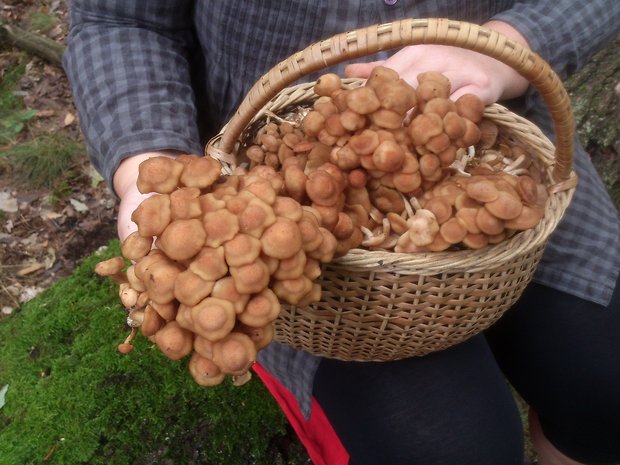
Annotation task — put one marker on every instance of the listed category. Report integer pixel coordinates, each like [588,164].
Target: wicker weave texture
[387,316]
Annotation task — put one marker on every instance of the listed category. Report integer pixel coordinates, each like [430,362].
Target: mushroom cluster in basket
[378,166]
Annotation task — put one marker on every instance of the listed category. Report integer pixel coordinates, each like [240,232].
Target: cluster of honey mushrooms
[381,166]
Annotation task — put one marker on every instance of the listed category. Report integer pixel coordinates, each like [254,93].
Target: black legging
[454,407]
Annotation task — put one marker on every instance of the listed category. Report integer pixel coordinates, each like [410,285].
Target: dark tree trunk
[595,94]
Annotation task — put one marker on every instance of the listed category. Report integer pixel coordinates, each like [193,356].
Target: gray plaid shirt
[145,72]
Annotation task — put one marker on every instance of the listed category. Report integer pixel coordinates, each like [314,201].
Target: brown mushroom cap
[219,226]
[325,251]
[174,341]
[282,239]
[397,95]
[234,354]
[528,218]
[261,336]
[159,280]
[506,207]
[362,100]
[152,215]
[113,269]
[200,172]
[287,207]
[151,321]
[454,125]
[241,250]
[425,126]
[439,105]
[291,267]
[389,156]
[488,223]
[224,288]
[261,309]
[209,264]
[292,290]
[440,207]
[204,371]
[251,278]
[381,74]
[185,203]
[453,231]
[167,311]
[182,239]
[213,318]
[476,241]
[322,188]
[482,190]
[189,288]
[327,84]
[256,217]
[135,246]
[313,123]
[470,107]
[159,174]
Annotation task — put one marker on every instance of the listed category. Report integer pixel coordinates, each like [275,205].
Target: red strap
[316,434]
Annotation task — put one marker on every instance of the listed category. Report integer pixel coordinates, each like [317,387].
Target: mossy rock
[73,399]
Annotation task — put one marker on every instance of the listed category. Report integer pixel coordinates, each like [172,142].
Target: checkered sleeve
[128,66]
[565,32]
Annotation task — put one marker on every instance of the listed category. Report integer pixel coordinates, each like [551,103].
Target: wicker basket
[378,306]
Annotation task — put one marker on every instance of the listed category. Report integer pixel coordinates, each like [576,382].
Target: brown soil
[45,232]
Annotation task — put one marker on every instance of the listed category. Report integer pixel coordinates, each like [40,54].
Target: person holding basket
[160,78]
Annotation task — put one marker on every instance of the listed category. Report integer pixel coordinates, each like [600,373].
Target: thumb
[360,70]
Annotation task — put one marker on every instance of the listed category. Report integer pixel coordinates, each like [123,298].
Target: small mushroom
[209,264]
[241,250]
[260,336]
[174,341]
[189,288]
[200,172]
[204,371]
[219,226]
[363,100]
[113,269]
[182,239]
[261,309]
[152,215]
[213,318]
[159,280]
[282,239]
[135,246]
[327,84]
[506,207]
[251,278]
[234,354]
[389,156]
[423,227]
[292,290]
[225,288]
[470,106]
[256,217]
[159,174]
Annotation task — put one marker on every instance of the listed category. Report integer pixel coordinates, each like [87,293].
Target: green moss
[72,399]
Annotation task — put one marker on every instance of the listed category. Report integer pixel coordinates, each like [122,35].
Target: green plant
[13,116]
[73,399]
[42,22]
[43,161]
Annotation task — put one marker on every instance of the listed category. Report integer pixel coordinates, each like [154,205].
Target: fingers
[361,70]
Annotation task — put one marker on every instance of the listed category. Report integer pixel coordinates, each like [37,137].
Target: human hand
[468,71]
[125,179]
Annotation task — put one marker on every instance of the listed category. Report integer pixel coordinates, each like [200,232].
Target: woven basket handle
[370,40]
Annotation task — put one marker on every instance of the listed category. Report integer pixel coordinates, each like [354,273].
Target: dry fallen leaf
[29,269]
[69,119]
